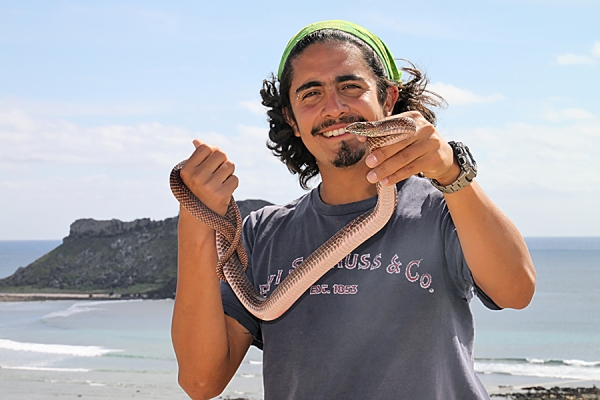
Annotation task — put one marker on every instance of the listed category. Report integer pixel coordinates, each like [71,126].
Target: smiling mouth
[335,132]
[341,123]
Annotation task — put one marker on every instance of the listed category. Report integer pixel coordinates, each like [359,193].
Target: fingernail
[371,160]
[384,181]
[372,177]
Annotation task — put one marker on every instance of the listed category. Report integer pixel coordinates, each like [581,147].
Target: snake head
[361,128]
[392,125]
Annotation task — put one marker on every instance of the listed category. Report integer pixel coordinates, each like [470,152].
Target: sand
[39,384]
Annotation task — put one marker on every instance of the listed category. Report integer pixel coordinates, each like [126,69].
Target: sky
[100,99]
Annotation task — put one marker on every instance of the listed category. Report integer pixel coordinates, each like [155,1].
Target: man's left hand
[424,152]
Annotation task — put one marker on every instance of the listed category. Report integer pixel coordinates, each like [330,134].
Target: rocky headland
[110,259]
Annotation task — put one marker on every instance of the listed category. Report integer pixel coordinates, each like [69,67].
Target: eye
[309,95]
[352,89]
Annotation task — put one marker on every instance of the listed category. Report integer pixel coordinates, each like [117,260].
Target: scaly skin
[233,259]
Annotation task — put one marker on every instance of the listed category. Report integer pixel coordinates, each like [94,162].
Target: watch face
[467,165]
[464,158]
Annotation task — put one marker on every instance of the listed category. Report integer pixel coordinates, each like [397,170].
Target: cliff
[127,258]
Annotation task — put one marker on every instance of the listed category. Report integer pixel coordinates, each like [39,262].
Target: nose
[334,105]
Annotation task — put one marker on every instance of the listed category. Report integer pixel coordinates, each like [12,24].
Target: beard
[347,157]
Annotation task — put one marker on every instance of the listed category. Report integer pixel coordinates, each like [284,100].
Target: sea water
[119,349]
[558,335]
[111,349]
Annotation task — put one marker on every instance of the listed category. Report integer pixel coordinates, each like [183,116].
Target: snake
[233,259]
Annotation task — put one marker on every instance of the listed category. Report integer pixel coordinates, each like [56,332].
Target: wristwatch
[468,169]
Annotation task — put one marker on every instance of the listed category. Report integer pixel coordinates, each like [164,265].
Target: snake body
[232,256]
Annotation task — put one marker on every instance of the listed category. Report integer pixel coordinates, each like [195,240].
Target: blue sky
[98,100]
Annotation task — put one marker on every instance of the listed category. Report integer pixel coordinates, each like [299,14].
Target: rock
[137,257]
[90,227]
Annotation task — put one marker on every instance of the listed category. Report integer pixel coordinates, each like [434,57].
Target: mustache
[344,119]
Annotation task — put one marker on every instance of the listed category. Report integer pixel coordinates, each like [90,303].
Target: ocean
[122,349]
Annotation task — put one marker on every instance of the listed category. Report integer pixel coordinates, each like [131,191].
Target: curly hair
[289,148]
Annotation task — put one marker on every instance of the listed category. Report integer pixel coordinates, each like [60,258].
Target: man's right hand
[208,173]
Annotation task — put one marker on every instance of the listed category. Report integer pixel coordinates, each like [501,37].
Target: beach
[98,349]
[40,384]
[81,347]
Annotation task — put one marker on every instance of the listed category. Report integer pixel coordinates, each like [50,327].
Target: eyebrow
[338,79]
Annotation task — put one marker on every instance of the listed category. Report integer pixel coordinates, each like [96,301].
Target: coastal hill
[126,259]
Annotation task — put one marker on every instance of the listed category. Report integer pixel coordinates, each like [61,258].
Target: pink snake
[232,257]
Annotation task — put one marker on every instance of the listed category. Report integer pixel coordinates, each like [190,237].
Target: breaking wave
[559,369]
[59,349]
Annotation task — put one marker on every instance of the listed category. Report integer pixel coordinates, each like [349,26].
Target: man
[392,319]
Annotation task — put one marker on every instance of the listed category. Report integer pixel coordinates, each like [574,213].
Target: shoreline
[551,393]
[13,297]
[500,386]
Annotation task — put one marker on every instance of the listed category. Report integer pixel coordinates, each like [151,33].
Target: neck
[346,185]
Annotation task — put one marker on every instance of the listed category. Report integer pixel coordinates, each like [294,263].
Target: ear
[291,121]
[392,96]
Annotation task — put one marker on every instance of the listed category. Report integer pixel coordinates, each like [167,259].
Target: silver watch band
[468,169]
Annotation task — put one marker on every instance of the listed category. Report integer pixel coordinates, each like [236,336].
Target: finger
[214,160]
[380,155]
[199,168]
[401,164]
[224,171]
[220,191]
[405,172]
[199,155]
[213,182]
[424,133]
[197,143]
[229,186]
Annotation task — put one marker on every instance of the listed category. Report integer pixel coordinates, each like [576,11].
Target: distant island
[108,259]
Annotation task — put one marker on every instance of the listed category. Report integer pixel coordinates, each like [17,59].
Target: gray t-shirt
[390,321]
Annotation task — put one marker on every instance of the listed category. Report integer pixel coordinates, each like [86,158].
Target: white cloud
[569,114]
[254,106]
[67,109]
[113,171]
[120,171]
[596,49]
[554,157]
[573,59]
[457,96]
[543,176]
[24,139]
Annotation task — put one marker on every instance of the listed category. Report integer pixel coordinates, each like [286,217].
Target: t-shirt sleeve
[231,305]
[457,265]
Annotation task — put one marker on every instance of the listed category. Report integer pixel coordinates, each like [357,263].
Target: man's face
[332,86]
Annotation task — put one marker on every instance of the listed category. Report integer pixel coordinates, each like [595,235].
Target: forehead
[325,61]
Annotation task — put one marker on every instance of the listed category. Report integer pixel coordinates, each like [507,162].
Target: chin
[349,157]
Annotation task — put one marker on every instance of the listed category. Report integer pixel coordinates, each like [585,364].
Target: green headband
[385,55]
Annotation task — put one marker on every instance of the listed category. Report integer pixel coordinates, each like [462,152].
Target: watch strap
[468,169]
